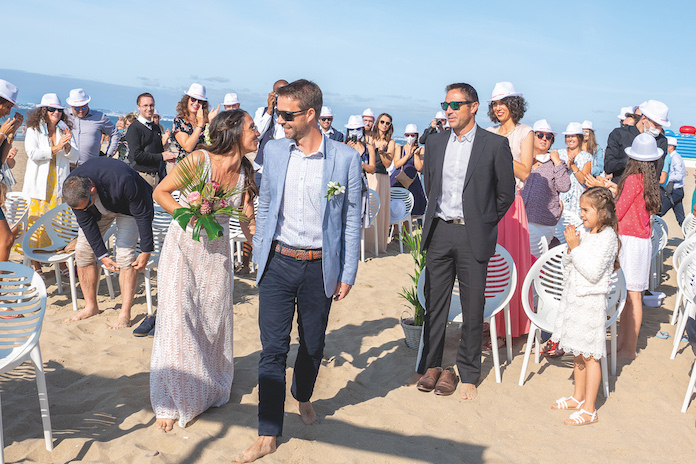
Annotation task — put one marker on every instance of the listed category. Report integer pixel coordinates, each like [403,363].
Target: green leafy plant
[410,294]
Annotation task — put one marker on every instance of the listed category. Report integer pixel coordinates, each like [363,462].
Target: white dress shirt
[454,168]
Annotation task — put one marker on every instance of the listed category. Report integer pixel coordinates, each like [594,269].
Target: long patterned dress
[192,364]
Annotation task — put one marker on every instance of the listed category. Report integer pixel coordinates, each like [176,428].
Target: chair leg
[679,333]
[677,305]
[59,282]
[605,377]
[613,343]
[689,390]
[420,351]
[148,291]
[374,228]
[508,333]
[537,342]
[494,348]
[43,396]
[73,282]
[109,284]
[362,245]
[401,243]
[527,353]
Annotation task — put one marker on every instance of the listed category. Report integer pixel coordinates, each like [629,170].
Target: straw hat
[50,100]
[672,141]
[644,148]
[230,99]
[326,112]
[574,128]
[368,112]
[587,125]
[197,91]
[78,97]
[543,126]
[411,129]
[8,92]
[656,111]
[354,122]
[502,90]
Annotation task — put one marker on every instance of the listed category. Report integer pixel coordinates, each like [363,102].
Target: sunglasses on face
[194,100]
[288,115]
[387,123]
[80,108]
[326,119]
[543,135]
[51,110]
[455,105]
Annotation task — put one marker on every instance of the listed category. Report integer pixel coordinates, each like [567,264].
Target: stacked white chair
[660,236]
[23,304]
[402,194]
[17,212]
[501,281]
[692,379]
[373,203]
[680,254]
[237,237]
[686,280]
[689,225]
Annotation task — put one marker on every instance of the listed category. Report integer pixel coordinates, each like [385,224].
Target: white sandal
[562,403]
[577,418]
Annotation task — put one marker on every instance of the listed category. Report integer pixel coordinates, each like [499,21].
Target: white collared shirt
[454,168]
[299,217]
[144,121]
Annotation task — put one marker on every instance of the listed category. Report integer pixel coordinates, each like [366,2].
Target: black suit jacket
[489,188]
[121,190]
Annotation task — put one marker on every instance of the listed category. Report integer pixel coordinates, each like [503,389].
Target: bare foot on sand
[123,322]
[625,354]
[260,448]
[84,314]
[165,424]
[309,417]
[413,379]
[469,391]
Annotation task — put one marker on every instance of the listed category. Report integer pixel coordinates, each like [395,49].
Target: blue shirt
[677,170]
[598,162]
[665,168]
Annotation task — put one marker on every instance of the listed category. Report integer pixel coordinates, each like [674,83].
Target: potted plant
[413,326]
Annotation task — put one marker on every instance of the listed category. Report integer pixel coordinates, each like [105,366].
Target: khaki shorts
[151,178]
[126,237]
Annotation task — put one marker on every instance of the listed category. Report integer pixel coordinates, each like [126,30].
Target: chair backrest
[400,193]
[60,225]
[686,277]
[664,237]
[501,281]
[16,208]
[682,251]
[374,204]
[616,300]
[656,239]
[541,247]
[22,307]
[689,225]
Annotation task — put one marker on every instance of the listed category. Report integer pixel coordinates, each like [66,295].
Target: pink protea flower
[194,199]
[215,186]
[206,208]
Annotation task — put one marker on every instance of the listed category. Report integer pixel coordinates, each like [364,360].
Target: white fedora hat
[355,122]
[411,129]
[644,148]
[78,97]
[574,128]
[8,92]
[326,112]
[626,110]
[440,115]
[230,99]
[656,111]
[672,141]
[197,91]
[542,125]
[586,124]
[368,112]
[502,90]
[50,100]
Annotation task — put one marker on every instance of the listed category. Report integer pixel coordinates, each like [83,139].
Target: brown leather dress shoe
[429,380]
[447,384]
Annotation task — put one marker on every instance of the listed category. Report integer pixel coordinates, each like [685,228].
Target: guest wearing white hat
[50,149]
[438,124]
[627,116]
[408,161]
[381,138]
[8,129]
[506,108]
[326,117]
[673,190]
[368,118]
[589,144]
[231,102]
[89,126]
[355,138]
[266,121]
[191,118]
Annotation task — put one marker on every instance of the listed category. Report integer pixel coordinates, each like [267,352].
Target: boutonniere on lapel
[334,188]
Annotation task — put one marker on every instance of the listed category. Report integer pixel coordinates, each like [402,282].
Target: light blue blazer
[340,216]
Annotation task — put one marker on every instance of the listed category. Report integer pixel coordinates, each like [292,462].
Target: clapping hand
[10,126]
[214,112]
[572,236]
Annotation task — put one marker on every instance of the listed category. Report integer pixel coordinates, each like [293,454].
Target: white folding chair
[237,237]
[546,275]
[658,237]
[373,202]
[692,380]
[402,194]
[682,251]
[501,281]
[686,280]
[664,238]
[23,304]
[61,226]
[17,212]
[689,225]
[539,248]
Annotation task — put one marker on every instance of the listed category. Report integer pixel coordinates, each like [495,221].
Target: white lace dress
[192,364]
[579,325]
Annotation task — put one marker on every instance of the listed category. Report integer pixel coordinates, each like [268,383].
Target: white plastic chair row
[686,281]
[402,194]
[680,254]
[237,237]
[501,281]
[374,204]
[659,237]
[692,379]
[689,225]
[17,212]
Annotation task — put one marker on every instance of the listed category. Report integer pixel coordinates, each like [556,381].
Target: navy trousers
[289,284]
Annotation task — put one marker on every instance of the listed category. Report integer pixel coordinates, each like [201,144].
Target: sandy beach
[98,389]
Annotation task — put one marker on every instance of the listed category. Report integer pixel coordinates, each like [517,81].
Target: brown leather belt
[300,255]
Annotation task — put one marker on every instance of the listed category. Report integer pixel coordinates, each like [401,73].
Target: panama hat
[326,112]
[50,100]
[587,125]
[656,111]
[543,126]
[354,122]
[78,97]
[8,92]
[368,112]
[197,91]
[440,115]
[502,90]
[672,141]
[625,111]
[644,148]
[411,129]
[230,99]
[574,128]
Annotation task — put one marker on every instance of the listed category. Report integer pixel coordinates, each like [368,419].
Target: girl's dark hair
[37,115]
[602,200]
[182,107]
[516,105]
[226,131]
[651,189]
[376,136]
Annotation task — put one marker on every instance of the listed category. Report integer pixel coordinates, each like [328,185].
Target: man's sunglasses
[455,105]
[288,115]
[51,110]
[326,119]
[544,135]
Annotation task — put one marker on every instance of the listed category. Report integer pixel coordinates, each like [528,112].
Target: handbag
[403,178]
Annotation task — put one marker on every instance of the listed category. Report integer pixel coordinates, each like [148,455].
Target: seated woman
[408,161]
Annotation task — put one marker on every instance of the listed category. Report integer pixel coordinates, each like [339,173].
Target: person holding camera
[437,125]
[408,162]
[266,121]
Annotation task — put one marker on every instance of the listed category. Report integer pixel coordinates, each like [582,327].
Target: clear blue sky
[572,60]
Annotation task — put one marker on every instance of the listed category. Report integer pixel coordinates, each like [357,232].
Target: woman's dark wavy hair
[376,136]
[516,105]
[226,131]
[651,188]
[602,200]
[182,107]
[37,115]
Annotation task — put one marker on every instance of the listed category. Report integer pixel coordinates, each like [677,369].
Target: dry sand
[98,388]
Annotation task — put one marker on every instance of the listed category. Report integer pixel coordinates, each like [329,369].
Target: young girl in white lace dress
[579,327]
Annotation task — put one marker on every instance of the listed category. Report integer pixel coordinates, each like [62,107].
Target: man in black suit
[100,191]
[470,185]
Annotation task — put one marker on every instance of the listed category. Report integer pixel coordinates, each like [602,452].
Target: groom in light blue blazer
[306,247]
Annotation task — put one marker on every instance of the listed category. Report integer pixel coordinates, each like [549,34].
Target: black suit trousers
[450,255]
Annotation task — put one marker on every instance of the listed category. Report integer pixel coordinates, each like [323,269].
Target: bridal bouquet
[205,200]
